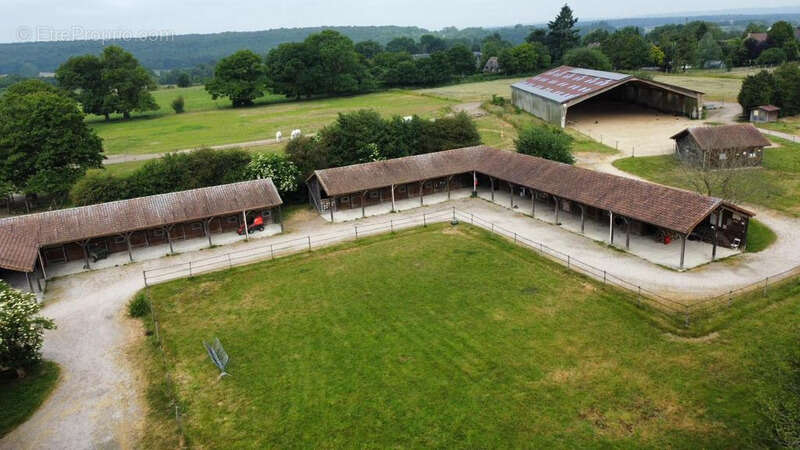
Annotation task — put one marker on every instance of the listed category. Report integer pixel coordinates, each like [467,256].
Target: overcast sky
[24,20]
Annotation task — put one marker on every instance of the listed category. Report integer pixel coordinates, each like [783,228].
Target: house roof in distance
[22,236]
[670,208]
[726,137]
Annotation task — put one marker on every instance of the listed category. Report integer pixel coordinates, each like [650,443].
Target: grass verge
[449,336]
[20,398]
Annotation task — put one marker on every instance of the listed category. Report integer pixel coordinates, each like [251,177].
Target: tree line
[780,88]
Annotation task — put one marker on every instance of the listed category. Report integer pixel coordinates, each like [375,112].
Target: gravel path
[116,159]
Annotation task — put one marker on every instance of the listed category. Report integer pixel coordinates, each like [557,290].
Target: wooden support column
[207,230]
[127,237]
[448,186]
[583,218]
[167,230]
[83,245]
[683,249]
[533,203]
[41,261]
[714,243]
[557,208]
[474,184]
[511,195]
[30,283]
[421,193]
[491,181]
[627,233]
[363,207]
[331,206]
[611,227]
[246,228]
[393,207]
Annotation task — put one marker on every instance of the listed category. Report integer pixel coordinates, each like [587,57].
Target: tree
[656,56]
[524,58]
[128,84]
[279,168]
[545,142]
[627,49]
[588,58]
[21,329]
[562,34]
[434,70]
[239,77]
[45,144]
[184,80]
[429,43]
[708,50]
[307,155]
[756,90]
[368,49]
[537,35]
[402,44]
[780,34]
[347,140]
[771,57]
[787,88]
[596,36]
[115,82]
[492,45]
[285,70]
[461,60]
[178,104]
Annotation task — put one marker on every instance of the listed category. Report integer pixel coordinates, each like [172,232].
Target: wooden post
[363,207]
[393,207]
[331,206]
[246,228]
[714,244]
[557,208]
[491,181]
[533,203]
[448,186]
[683,249]
[421,187]
[511,195]
[206,229]
[627,233]
[127,237]
[611,227]
[30,283]
[474,184]
[83,245]
[41,261]
[169,238]
[583,218]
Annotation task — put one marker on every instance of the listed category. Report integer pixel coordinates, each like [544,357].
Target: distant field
[445,337]
[716,88]
[155,134]
[473,92]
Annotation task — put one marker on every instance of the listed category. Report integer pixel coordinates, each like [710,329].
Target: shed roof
[770,108]
[726,137]
[85,222]
[663,206]
[571,85]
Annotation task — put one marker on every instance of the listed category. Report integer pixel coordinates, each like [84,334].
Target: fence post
[639,297]
[229,261]
[604,277]
[568,261]
[271,252]
[686,319]
[190,269]
[454,213]
[515,238]
[492,227]
[309,243]
[730,298]
[424,221]
[356,228]
[144,275]
[472,218]
[391,226]
[766,282]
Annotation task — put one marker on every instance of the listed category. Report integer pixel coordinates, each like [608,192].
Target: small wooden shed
[764,113]
[723,147]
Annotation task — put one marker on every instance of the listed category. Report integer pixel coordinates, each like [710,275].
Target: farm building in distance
[553,94]
[31,243]
[729,146]
[764,113]
[642,208]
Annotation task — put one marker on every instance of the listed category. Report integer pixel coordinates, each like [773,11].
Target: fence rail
[678,309]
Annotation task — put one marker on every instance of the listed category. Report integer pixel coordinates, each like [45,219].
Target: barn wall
[540,107]
[660,99]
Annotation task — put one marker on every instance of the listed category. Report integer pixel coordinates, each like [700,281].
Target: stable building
[764,114]
[551,95]
[31,244]
[728,146]
[637,207]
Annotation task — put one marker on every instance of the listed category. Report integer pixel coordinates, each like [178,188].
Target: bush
[771,57]
[139,306]
[178,105]
[587,58]
[546,142]
[21,329]
[279,168]
[498,100]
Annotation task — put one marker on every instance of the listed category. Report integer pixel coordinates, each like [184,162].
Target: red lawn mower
[257,225]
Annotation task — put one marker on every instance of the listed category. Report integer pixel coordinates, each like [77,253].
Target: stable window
[197,226]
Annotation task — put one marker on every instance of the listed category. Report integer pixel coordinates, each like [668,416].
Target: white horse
[296,134]
[408,118]
[278,136]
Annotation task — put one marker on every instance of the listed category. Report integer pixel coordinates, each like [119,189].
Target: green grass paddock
[20,398]
[447,336]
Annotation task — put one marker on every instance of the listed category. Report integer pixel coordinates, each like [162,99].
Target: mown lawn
[20,398]
[161,133]
[789,125]
[776,186]
[717,85]
[448,337]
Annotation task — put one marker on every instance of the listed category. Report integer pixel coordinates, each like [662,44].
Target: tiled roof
[22,236]
[739,136]
[663,206]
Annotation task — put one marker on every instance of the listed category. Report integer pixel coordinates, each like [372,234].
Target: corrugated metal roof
[739,136]
[75,224]
[663,206]
[566,83]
